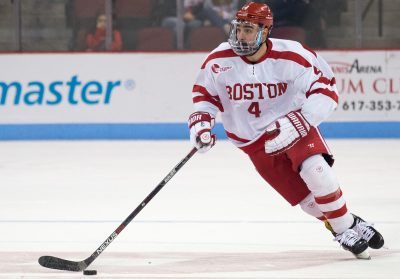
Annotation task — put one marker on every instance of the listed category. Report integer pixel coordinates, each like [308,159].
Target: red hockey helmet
[256,13]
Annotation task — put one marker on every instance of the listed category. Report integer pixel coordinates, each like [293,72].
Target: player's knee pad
[309,206]
[319,176]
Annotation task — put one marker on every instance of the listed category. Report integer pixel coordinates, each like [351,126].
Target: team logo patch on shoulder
[219,69]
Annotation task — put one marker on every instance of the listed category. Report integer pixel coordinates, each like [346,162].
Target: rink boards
[148,95]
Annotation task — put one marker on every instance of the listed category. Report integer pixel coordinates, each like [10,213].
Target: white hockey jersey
[250,96]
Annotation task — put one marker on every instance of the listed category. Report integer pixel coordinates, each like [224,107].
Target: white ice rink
[215,219]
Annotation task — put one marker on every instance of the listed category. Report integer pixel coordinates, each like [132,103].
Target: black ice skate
[367,232]
[351,241]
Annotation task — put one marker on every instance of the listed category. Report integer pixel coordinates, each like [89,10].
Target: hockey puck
[90,272]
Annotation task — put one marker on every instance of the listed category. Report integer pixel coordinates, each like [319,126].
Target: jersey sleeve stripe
[206,97]
[323,80]
[218,54]
[331,94]
[289,55]
[202,90]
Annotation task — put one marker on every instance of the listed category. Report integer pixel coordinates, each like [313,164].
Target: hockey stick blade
[61,264]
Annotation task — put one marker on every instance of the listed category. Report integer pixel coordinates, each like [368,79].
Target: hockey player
[272,95]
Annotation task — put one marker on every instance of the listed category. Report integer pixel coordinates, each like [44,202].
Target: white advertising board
[148,95]
[97,88]
[156,87]
[368,83]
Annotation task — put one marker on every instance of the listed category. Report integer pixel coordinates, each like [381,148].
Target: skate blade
[363,256]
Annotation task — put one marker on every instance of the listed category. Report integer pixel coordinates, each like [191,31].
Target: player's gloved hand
[285,132]
[200,125]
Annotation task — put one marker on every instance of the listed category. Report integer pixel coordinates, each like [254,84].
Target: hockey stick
[57,263]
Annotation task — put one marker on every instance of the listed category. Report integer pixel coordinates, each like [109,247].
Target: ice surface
[215,219]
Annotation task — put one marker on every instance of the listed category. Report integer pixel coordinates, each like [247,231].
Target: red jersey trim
[331,94]
[207,97]
[219,54]
[235,137]
[323,80]
[290,55]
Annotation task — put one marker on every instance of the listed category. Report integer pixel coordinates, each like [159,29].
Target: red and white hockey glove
[285,132]
[200,125]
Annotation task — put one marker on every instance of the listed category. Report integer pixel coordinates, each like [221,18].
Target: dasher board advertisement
[368,83]
[148,95]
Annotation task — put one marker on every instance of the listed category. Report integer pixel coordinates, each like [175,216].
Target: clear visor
[245,37]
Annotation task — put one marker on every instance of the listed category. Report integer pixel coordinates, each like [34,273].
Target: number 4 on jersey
[254,108]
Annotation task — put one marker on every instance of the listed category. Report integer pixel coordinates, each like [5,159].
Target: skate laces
[364,229]
[348,238]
